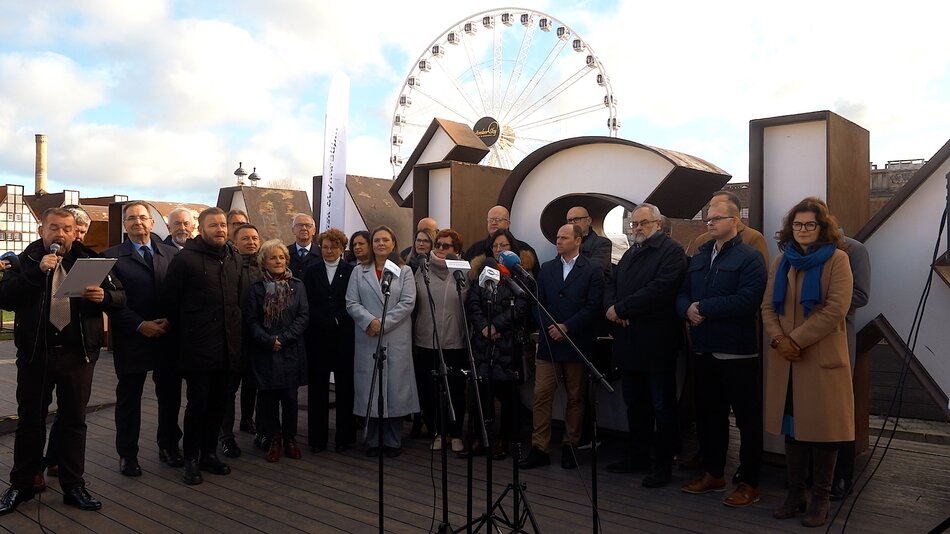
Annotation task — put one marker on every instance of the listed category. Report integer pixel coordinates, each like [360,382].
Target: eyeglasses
[714,220]
[499,246]
[444,246]
[644,223]
[807,226]
[575,220]
[496,220]
[303,225]
[133,218]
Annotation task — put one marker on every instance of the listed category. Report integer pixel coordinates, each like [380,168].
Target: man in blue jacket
[571,287]
[719,298]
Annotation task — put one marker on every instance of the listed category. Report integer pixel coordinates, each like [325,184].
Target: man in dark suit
[498,219]
[640,299]
[571,287]
[181,227]
[303,253]
[58,341]
[329,342]
[140,344]
[201,301]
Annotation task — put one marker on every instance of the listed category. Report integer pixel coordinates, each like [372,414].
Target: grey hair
[654,211]
[176,211]
[81,216]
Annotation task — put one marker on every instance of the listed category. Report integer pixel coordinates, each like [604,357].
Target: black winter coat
[509,317]
[201,300]
[133,352]
[643,289]
[286,368]
[26,291]
[330,335]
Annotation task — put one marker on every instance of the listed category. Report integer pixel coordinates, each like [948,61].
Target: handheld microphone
[386,281]
[489,278]
[54,248]
[511,260]
[509,281]
[458,268]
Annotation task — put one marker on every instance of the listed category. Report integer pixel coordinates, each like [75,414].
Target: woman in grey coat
[364,303]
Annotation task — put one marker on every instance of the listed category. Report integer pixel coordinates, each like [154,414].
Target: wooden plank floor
[330,492]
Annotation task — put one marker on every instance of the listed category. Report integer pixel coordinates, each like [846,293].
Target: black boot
[192,475]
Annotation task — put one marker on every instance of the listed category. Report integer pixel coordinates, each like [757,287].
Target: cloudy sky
[161,99]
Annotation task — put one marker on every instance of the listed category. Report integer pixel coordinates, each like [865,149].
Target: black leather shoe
[393,452]
[213,465]
[247,425]
[192,474]
[317,449]
[535,458]
[230,448]
[261,442]
[12,498]
[129,466]
[172,457]
[568,460]
[657,479]
[79,497]
[628,465]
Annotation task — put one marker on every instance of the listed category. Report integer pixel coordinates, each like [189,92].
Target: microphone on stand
[390,270]
[509,281]
[511,260]
[489,278]
[458,267]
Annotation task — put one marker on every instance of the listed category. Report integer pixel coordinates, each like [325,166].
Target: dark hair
[511,240]
[734,198]
[125,208]
[246,227]
[451,234]
[234,212]
[210,211]
[578,233]
[57,211]
[395,257]
[828,230]
[350,257]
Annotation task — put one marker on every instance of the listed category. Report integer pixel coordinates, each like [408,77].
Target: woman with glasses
[808,394]
[443,315]
[422,246]
[364,303]
[498,343]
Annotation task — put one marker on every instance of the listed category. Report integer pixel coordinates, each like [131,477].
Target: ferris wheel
[520,78]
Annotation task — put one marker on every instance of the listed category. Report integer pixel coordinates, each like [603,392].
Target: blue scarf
[812,263]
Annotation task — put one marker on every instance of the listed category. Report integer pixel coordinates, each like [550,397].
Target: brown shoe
[276,448]
[291,449]
[705,484]
[743,495]
[52,470]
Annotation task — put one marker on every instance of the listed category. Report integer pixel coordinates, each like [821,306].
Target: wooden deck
[330,492]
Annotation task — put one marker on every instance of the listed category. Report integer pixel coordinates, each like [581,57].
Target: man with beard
[181,226]
[58,342]
[640,299]
[201,300]
[140,343]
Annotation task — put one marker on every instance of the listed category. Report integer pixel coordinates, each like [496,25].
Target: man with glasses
[594,247]
[720,299]
[236,219]
[498,219]
[140,343]
[640,300]
[750,236]
[303,253]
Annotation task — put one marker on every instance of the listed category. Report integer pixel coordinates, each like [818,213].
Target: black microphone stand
[380,357]
[445,402]
[473,380]
[593,375]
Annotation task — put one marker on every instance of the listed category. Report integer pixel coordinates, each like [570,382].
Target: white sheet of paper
[85,272]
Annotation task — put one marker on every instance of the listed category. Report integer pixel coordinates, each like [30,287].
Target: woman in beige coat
[808,393]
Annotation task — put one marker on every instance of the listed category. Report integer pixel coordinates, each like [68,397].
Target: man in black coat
[594,247]
[571,287]
[329,342]
[58,342]
[303,251]
[640,299]
[140,344]
[498,219]
[201,301]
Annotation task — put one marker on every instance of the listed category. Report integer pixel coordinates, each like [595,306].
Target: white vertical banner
[333,194]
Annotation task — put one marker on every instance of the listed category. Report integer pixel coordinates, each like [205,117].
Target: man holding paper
[58,342]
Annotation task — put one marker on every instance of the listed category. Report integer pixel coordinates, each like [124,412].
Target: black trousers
[207,395]
[318,400]
[245,382]
[504,392]
[128,410]
[277,412]
[651,414]
[457,361]
[67,370]
[721,385]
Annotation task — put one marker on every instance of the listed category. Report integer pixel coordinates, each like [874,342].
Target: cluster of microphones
[493,273]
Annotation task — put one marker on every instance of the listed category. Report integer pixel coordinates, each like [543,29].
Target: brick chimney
[41,164]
